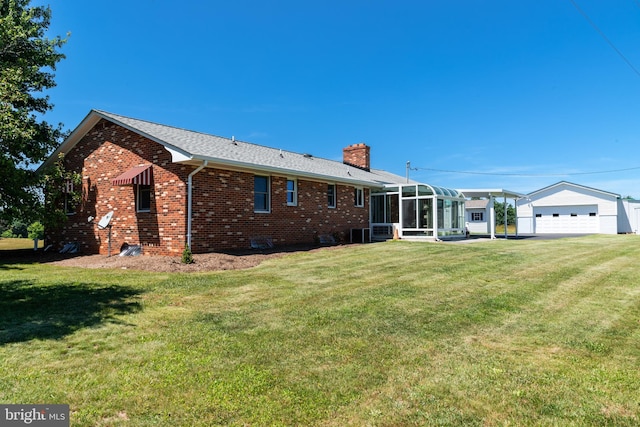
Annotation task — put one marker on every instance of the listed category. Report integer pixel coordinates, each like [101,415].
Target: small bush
[36,231]
[187,256]
[17,229]
[8,234]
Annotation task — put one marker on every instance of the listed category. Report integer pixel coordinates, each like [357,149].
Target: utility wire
[593,24]
[527,174]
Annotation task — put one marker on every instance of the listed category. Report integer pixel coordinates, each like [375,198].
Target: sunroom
[417,211]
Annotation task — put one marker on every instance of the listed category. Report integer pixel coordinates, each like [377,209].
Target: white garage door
[566,219]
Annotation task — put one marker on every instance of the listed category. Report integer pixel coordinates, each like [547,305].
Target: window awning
[140,175]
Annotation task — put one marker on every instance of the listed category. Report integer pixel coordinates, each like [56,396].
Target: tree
[36,231]
[27,59]
[61,188]
[499,209]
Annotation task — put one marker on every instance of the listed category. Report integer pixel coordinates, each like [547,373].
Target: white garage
[568,208]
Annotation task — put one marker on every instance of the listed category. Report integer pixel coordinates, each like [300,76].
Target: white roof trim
[571,184]
[491,192]
[338,173]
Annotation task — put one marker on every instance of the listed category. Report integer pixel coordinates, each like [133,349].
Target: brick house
[168,187]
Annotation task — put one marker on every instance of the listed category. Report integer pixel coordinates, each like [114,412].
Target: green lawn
[500,332]
[511,229]
[17,243]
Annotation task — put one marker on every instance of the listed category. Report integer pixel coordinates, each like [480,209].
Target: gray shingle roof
[476,204]
[195,146]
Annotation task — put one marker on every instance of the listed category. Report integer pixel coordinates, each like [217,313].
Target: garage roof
[571,184]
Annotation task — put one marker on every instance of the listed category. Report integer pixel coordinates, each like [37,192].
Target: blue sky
[521,93]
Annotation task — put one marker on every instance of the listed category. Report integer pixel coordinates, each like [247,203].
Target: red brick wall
[224,217]
[357,155]
[223,214]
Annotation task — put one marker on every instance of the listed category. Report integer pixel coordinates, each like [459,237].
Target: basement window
[574,214]
[556,215]
[538,215]
[592,214]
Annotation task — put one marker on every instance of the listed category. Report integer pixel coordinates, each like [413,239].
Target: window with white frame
[261,191]
[143,198]
[358,197]
[292,192]
[67,189]
[331,195]
[477,216]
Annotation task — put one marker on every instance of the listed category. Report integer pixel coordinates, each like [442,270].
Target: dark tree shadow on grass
[12,259]
[31,311]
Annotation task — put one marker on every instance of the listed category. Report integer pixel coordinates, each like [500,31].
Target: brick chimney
[357,155]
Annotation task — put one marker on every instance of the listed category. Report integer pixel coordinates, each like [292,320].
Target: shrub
[36,231]
[8,234]
[19,228]
[187,256]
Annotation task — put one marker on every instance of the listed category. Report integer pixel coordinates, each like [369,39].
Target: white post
[435,217]
[492,219]
[504,195]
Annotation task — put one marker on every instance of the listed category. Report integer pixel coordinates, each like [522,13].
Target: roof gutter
[190,202]
[253,168]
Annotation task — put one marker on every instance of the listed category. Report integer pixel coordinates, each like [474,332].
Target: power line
[527,174]
[593,24]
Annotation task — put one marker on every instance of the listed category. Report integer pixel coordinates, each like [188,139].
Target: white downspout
[190,203]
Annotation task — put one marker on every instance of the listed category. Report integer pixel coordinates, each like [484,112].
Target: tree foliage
[499,209]
[62,189]
[36,231]
[187,256]
[17,228]
[27,61]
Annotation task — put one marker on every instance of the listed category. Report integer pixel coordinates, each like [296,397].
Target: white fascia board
[571,184]
[488,192]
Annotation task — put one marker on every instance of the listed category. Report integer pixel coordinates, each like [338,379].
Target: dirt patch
[203,262]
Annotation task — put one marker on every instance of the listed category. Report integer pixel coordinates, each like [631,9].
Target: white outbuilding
[629,216]
[480,215]
[569,208]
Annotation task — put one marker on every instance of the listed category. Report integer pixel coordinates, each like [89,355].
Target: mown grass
[511,229]
[491,333]
[10,243]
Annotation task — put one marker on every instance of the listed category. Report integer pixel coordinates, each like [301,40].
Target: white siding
[525,224]
[477,226]
[629,216]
